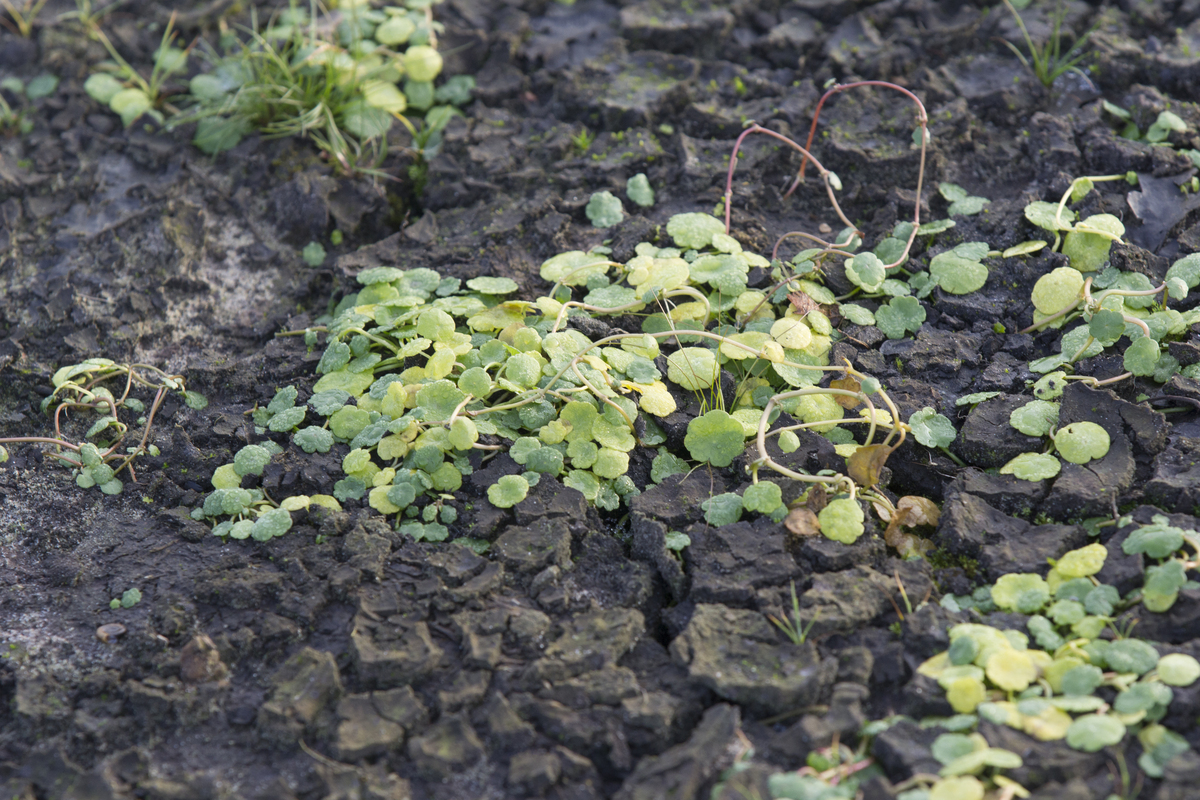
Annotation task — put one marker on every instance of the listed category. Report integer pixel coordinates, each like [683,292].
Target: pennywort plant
[99,458]
[424,377]
[1051,691]
[1112,303]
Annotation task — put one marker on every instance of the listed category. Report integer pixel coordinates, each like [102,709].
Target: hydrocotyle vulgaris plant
[77,386]
[424,379]
[1051,692]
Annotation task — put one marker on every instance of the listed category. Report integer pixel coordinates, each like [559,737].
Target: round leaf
[693,368]
[715,437]
[1141,357]
[957,275]
[1080,442]
[275,522]
[764,497]
[1035,418]
[1032,467]
[1095,732]
[842,520]
[1178,669]
[931,428]
[1057,290]
[1082,562]
[694,231]
[508,491]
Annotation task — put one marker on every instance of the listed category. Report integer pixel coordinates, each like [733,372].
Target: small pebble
[110,632]
[824,228]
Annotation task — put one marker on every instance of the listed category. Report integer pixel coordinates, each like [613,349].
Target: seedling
[794,627]
[23,16]
[582,141]
[128,599]
[1048,62]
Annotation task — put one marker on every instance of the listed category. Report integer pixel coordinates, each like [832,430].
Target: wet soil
[578,658]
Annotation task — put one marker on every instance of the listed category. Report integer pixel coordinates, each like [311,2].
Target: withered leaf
[866,463]
[816,498]
[850,384]
[802,522]
[921,511]
[802,302]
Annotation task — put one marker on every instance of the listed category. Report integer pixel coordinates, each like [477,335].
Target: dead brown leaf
[802,522]
[921,511]
[850,384]
[866,463]
[802,302]
[817,498]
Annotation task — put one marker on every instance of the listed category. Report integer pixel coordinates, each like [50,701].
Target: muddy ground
[577,658]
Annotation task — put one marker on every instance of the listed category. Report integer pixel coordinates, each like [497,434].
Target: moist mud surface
[578,657]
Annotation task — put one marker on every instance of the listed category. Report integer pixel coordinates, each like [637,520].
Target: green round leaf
[1057,290]
[422,63]
[347,422]
[1178,669]
[313,439]
[491,285]
[931,428]
[604,209]
[1035,418]
[1082,680]
[1050,387]
[275,522]
[842,520]
[957,275]
[1032,467]
[866,271]
[102,87]
[1186,269]
[722,509]
[130,104]
[1141,357]
[639,190]
[1107,326]
[1082,562]
[574,267]
[250,460]
[715,437]
[693,368]
[1131,655]
[1080,442]
[694,231]
[1042,214]
[901,314]
[1024,592]
[1157,540]
[1095,732]
[508,491]
[763,497]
